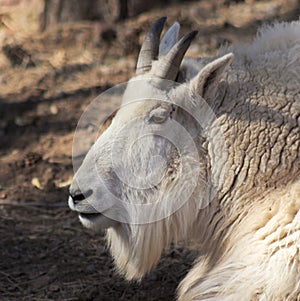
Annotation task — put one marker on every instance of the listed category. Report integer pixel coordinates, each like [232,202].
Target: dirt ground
[46,82]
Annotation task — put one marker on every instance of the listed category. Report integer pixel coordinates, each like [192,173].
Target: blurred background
[56,56]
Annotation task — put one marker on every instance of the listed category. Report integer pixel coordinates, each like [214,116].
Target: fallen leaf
[36,183]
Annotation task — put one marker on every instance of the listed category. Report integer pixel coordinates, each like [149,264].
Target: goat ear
[206,82]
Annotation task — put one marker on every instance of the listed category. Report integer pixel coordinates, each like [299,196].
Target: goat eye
[158,116]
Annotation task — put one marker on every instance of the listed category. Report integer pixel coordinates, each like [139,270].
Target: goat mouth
[90,215]
[96,221]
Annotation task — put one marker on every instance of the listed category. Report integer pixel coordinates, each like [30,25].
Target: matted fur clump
[237,196]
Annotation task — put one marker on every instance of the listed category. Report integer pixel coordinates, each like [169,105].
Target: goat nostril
[79,196]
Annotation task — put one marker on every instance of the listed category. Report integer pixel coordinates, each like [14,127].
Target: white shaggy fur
[249,232]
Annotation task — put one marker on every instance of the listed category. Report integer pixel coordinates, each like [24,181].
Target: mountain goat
[204,150]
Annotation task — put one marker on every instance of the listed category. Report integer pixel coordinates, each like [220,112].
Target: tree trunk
[64,11]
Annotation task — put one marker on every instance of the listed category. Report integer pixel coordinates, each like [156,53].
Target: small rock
[53,109]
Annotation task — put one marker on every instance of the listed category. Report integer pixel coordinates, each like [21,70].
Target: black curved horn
[169,66]
[149,49]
